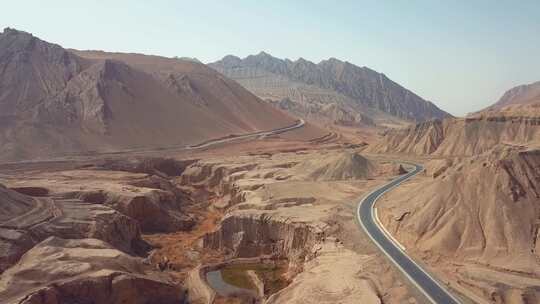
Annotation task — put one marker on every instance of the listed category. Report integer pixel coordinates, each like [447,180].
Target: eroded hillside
[330,91]
[56,101]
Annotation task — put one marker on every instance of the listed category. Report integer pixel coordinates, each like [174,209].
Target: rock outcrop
[25,220]
[242,234]
[460,137]
[83,271]
[155,210]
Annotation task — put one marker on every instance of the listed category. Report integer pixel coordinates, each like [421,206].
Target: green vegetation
[236,275]
[272,275]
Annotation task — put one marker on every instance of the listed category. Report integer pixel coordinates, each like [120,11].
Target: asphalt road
[367,216]
[298,124]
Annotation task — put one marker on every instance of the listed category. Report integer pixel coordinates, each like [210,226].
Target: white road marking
[419,287]
[386,232]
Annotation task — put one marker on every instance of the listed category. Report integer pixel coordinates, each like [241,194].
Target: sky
[462,55]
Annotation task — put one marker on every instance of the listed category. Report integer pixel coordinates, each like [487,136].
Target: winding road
[367,216]
[298,124]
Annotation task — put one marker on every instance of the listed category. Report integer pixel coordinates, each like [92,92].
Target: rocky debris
[83,271]
[337,166]
[312,85]
[25,221]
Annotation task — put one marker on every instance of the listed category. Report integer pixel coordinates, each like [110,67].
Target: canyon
[132,178]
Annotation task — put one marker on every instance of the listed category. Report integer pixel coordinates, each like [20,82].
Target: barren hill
[514,120]
[520,95]
[54,101]
[477,217]
[359,91]
[460,137]
[342,166]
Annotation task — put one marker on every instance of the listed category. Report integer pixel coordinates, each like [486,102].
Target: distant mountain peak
[262,55]
[231,57]
[265,54]
[363,85]
[190,59]
[55,101]
[518,96]
[12,31]
[333,60]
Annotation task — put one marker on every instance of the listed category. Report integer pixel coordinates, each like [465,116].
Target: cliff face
[357,89]
[460,137]
[23,59]
[251,235]
[91,271]
[26,220]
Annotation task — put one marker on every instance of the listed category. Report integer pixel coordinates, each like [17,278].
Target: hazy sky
[462,55]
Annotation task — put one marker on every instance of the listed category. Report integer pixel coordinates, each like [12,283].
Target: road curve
[298,124]
[367,216]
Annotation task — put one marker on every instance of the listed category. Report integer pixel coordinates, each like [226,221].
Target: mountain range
[511,121]
[332,89]
[55,101]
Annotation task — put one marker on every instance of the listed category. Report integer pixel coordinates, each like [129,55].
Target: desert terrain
[164,222]
[132,178]
[472,216]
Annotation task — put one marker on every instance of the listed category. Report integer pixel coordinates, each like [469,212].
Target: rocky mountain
[55,101]
[363,93]
[460,137]
[514,121]
[521,95]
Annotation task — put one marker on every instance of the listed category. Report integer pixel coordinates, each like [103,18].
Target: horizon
[474,44]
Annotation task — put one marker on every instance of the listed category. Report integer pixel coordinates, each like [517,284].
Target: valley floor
[280,203]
